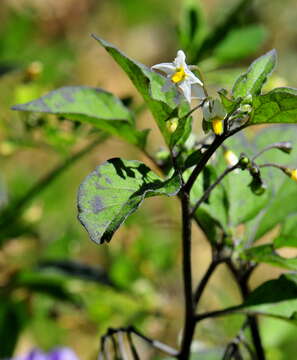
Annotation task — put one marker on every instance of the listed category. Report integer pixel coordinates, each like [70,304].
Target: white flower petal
[206,111]
[218,108]
[180,60]
[185,87]
[198,91]
[167,68]
[193,78]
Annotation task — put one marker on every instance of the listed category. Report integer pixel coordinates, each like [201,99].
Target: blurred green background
[56,286]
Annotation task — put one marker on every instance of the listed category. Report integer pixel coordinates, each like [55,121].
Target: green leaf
[277,106]
[243,203]
[114,191]
[276,298]
[266,254]
[192,27]
[13,318]
[90,105]
[241,43]
[229,22]
[251,82]
[50,284]
[216,206]
[162,104]
[288,233]
[281,205]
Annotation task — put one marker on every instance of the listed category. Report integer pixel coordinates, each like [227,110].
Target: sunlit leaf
[251,82]
[114,191]
[162,104]
[277,106]
[90,105]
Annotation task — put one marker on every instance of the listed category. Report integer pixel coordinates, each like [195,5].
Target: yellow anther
[179,75]
[218,126]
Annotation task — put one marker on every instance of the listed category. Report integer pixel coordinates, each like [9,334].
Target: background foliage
[56,286]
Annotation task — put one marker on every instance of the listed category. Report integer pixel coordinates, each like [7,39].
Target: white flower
[179,73]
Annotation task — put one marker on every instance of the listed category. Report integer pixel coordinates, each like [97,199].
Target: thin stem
[277,145]
[280,167]
[154,343]
[216,313]
[189,321]
[203,161]
[203,282]
[212,186]
[240,339]
[132,347]
[122,346]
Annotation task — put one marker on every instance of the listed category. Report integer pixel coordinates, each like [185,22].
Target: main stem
[252,320]
[189,317]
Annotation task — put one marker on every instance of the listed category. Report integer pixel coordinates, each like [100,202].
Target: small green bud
[244,162]
[257,185]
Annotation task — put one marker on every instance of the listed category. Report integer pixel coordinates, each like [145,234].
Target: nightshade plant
[221,194]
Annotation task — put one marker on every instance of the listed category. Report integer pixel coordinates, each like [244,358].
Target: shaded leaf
[114,191]
[162,104]
[251,82]
[76,269]
[241,43]
[13,318]
[221,30]
[49,284]
[90,105]
[277,298]
[277,106]
[192,27]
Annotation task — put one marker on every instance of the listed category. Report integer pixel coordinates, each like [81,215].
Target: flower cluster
[191,87]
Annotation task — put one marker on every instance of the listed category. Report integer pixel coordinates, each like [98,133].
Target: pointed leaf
[252,81]
[90,105]
[114,191]
[277,106]
[150,85]
[276,298]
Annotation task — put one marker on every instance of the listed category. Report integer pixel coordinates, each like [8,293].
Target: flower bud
[230,158]
[218,126]
[172,125]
